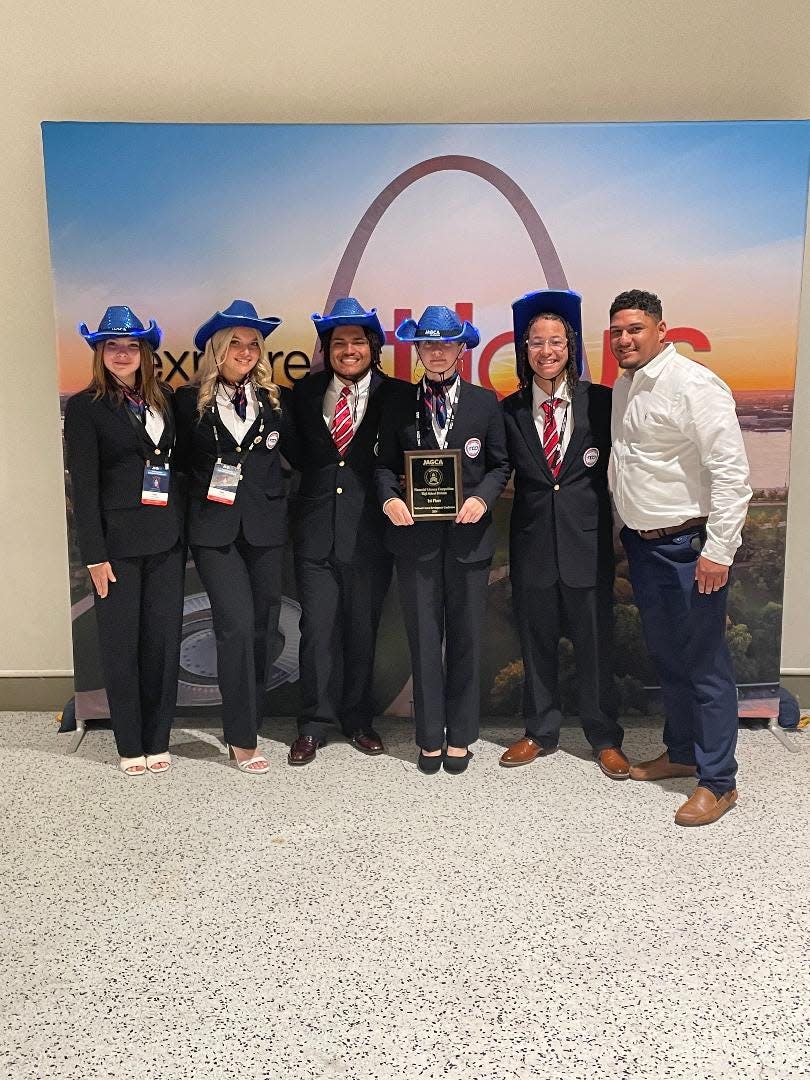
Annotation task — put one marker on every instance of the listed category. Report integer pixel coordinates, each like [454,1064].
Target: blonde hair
[103,382]
[212,359]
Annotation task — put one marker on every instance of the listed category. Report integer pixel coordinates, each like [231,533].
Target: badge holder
[155,488]
[224,482]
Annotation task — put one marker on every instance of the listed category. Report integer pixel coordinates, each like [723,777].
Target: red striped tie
[551,437]
[342,429]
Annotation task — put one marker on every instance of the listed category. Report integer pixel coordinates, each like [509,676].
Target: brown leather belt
[671,530]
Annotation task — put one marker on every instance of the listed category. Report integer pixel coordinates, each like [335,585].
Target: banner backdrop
[178,220]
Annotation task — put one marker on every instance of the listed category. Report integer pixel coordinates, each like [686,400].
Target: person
[679,477]
[119,436]
[233,425]
[443,566]
[342,568]
[561,532]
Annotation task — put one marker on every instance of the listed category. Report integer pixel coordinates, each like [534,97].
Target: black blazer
[478,417]
[561,529]
[260,507]
[336,508]
[105,456]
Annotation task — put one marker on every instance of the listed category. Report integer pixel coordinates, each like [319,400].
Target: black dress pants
[443,599]
[544,615]
[243,583]
[139,624]
[341,605]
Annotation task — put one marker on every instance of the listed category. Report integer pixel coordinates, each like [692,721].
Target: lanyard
[215,417]
[451,414]
[151,448]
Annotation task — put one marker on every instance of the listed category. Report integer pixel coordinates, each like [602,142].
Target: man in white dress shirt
[679,476]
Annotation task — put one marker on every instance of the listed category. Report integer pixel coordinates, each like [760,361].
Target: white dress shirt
[358,399]
[565,427]
[154,424]
[678,452]
[451,397]
[227,413]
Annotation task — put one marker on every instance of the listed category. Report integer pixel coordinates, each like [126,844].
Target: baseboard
[798,685]
[35,693]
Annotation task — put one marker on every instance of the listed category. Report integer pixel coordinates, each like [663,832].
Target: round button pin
[339,491]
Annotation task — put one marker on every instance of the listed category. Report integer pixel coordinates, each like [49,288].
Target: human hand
[397,512]
[102,575]
[710,576]
[472,510]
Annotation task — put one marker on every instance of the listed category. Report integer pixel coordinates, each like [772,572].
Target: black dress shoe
[367,742]
[303,750]
[456,765]
[428,765]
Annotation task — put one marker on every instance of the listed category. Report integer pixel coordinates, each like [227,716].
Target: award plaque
[433,484]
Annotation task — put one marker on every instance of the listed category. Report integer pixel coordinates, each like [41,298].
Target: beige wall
[354,61]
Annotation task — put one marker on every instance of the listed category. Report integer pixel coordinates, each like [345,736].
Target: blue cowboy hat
[564,303]
[238,313]
[121,321]
[348,312]
[438,323]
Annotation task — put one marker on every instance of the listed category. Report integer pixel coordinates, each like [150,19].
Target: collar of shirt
[653,368]
[357,398]
[539,396]
[452,391]
[228,415]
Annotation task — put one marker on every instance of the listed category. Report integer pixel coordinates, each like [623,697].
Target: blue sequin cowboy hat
[120,321]
[238,313]
[564,303]
[438,324]
[347,311]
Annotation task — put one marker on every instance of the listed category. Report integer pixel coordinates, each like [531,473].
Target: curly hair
[104,383]
[523,367]
[638,300]
[212,359]
[374,343]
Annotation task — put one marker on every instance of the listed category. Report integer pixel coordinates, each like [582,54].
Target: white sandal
[159,763]
[133,766]
[245,766]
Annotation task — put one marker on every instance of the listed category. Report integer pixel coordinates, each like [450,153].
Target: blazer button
[556,487]
[239,449]
[339,491]
[157,449]
[341,464]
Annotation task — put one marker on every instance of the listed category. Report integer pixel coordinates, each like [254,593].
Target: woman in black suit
[232,427]
[561,531]
[443,566]
[119,435]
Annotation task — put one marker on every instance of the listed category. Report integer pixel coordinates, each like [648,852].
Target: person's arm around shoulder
[710,419]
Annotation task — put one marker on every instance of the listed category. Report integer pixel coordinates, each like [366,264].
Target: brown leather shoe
[660,768]
[303,750]
[703,806]
[523,752]
[367,742]
[613,763]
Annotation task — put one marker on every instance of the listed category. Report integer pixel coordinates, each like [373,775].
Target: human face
[349,353]
[122,358]
[547,349]
[439,357]
[635,338]
[242,355]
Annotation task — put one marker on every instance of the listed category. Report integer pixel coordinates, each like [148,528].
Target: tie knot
[345,392]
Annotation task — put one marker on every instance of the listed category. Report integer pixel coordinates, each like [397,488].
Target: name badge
[224,482]
[155,488]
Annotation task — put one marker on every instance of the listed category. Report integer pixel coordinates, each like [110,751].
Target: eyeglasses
[556,344]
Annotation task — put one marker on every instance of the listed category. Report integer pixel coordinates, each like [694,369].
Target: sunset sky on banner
[178,220]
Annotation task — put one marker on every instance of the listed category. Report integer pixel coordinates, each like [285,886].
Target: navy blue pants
[685,634]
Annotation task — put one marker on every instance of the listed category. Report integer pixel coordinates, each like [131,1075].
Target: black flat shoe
[456,765]
[428,765]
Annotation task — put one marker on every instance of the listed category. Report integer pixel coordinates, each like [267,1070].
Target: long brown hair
[103,382]
[208,373]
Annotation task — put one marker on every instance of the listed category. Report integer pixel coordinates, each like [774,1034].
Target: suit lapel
[528,428]
[579,407]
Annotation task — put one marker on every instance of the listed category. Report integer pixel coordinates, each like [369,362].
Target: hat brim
[563,302]
[151,335]
[409,331]
[221,321]
[325,323]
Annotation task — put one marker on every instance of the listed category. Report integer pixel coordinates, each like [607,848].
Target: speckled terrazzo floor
[356,919]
